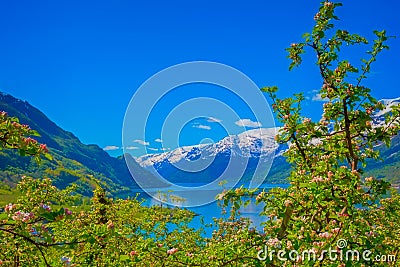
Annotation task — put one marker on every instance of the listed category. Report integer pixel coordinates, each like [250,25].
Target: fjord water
[213,210]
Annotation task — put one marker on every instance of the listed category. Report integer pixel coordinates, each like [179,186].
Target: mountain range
[239,158]
[246,158]
[256,148]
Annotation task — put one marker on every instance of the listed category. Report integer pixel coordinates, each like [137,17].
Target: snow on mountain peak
[256,142]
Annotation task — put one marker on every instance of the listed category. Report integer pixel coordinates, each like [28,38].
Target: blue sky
[80,62]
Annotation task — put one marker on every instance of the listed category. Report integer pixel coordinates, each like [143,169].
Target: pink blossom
[110,225]
[288,202]
[9,207]
[67,211]
[22,216]
[260,196]
[133,253]
[172,251]
[273,242]
[317,179]
[325,235]
[43,147]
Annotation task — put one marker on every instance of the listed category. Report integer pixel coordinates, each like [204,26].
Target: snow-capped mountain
[249,153]
[251,143]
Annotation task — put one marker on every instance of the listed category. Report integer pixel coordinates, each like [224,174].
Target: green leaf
[48,156]
[124,258]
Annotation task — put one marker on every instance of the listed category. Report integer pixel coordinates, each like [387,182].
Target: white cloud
[318,97]
[213,119]
[165,148]
[158,140]
[248,123]
[152,149]
[108,148]
[141,142]
[200,126]
[131,147]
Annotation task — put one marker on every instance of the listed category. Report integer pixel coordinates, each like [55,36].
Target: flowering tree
[14,135]
[329,200]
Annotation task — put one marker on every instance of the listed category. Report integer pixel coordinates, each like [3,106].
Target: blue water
[213,210]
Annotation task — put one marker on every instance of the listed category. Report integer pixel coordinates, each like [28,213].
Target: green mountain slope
[73,162]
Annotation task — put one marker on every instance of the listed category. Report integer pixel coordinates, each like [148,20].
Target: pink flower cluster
[44,148]
[325,235]
[22,216]
[274,242]
[29,140]
[110,225]
[10,207]
[67,211]
[288,202]
[133,253]
[318,179]
[172,251]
